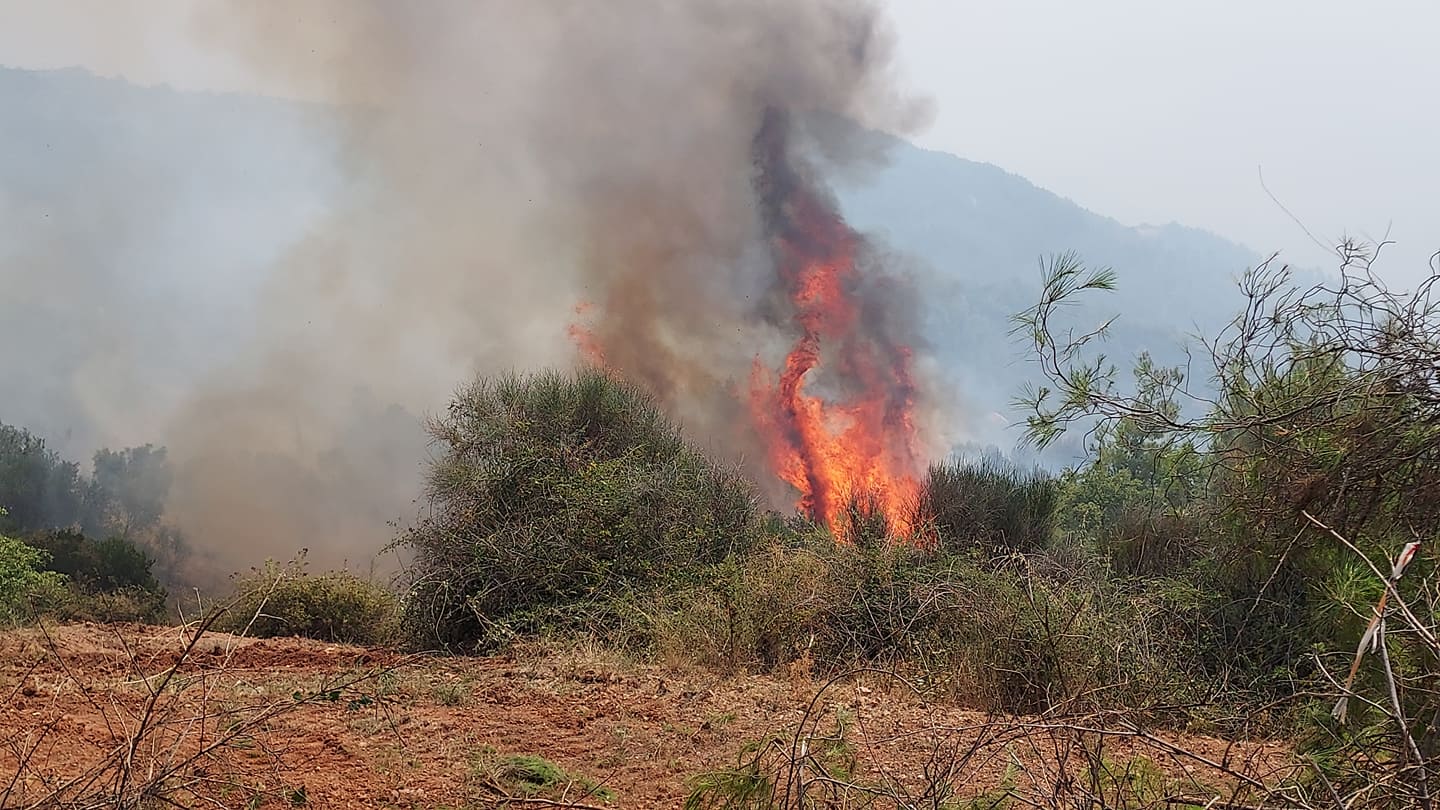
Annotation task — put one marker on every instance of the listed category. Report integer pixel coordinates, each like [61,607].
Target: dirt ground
[107,711]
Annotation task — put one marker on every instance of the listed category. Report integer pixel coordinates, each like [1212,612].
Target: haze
[277,290]
[1158,112]
[1146,112]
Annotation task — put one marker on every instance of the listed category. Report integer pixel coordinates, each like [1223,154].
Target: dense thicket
[1287,494]
[1217,560]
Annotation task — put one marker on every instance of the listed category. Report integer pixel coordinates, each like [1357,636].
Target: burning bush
[554,495]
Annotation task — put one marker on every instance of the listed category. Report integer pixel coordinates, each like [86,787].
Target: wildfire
[584,339]
[837,418]
[859,444]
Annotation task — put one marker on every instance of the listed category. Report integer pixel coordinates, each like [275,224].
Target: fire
[860,442]
[584,339]
[837,418]
[857,446]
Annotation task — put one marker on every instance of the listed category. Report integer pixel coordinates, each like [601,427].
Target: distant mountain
[149,204]
[988,227]
[979,234]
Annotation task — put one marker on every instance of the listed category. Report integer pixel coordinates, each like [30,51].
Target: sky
[1148,112]
[1152,112]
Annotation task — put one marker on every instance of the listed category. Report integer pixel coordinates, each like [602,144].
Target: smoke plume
[508,175]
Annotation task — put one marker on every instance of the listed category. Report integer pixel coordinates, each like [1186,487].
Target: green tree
[1328,402]
[38,488]
[127,490]
[1321,460]
[108,565]
[123,499]
[1140,497]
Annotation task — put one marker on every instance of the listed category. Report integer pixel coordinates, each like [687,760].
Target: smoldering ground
[487,167]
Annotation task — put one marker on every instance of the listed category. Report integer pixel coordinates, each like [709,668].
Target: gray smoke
[498,164]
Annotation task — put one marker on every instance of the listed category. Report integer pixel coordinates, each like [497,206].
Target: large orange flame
[859,445]
[837,419]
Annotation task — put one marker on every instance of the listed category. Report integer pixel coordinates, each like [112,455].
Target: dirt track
[353,727]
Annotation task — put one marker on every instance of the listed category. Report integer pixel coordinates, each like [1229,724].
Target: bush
[338,606]
[109,580]
[25,589]
[764,610]
[1028,635]
[1136,531]
[121,605]
[552,496]
[990,505]
[102,566]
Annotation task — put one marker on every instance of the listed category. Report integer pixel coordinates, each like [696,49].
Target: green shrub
[108,581]
[25,588]
[103,566]
[338,606]
[532,777]
[552,496]
[1138,504]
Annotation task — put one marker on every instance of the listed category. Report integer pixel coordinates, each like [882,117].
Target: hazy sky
[1158,111]
[1141,110]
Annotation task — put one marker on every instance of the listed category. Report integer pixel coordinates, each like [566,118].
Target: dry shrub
[1005,636]
[762,611]
[338,606]
[837,755]
[1149,542]
[990,505]
[123,605]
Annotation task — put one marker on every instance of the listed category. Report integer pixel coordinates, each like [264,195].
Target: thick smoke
[502,163]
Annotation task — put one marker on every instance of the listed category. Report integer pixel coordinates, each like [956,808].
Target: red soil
[418,732]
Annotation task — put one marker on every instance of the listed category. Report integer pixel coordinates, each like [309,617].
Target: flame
[837,418]
[584,339]
[859,445]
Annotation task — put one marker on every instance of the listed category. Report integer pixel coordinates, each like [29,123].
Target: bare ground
[93,714]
